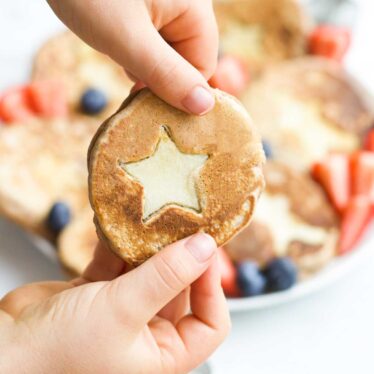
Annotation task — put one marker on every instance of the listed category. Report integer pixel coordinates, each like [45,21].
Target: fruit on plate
[228,274]
[231,75]
[357,216]
[250,279]
[369,141]
[15,105]
[330,41]
[362,174]
[281,274]
[58,217]
[48,98]
[93,101]
[333,174]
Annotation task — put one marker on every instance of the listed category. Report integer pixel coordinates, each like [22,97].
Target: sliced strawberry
[369,141]
[333,173]
[228,274]
[231,75]
[48,98]
[330,41]
[362,171]
[15,106]
[357,217]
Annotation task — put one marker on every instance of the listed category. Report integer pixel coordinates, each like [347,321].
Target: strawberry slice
[333,173]
[357,217]
[231,75]
[15,106]
[330,41]
[369,141]
[228,274]
[362,171]
[48,98]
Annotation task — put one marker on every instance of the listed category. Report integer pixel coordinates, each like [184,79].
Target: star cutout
[168,176]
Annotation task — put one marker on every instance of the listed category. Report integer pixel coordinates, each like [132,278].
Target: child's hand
[169,45]
[136,323]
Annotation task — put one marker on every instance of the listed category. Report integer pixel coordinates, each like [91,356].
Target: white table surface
[328,332]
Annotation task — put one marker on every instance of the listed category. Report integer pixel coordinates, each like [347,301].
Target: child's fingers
[160,279]
[209,323]
[169,75]
[104,266]
[177,308]
[194,35]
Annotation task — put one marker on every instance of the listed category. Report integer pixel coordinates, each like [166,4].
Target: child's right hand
[139,322]
[169,45]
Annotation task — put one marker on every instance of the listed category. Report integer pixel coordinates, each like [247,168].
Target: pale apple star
[168,176]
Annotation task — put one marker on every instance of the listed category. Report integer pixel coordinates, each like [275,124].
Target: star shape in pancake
[168,176]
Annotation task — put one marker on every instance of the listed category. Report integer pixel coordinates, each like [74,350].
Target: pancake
[76,243]
[68,59]
[307,108]
[293,218]
[262,32]
[43,161]
[188,174]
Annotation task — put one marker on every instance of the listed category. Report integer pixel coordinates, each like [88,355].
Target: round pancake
[68,59]
[293,218]
[76,244]
[262,32]
[157,174]
[307,108]
[44,161]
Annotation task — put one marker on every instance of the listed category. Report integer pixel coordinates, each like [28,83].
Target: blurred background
[327,331]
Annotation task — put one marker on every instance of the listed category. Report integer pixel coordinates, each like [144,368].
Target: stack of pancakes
[304,108]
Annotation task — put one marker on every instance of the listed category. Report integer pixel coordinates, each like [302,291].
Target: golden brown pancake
[293,218]
[157,174]
[262,32]
[68,59]
[43,161]
[76,244]
[307,108]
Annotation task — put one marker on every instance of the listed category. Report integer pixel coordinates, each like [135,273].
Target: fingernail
[198,101]
[201,246]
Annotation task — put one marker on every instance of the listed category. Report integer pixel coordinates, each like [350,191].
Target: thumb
[160,279]
[167,73]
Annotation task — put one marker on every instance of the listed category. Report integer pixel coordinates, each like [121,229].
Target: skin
[170,46]
[113,321]
[169,314]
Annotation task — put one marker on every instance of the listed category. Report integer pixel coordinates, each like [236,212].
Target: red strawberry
[231,75]
[357,216]
[228,274]
[15,106]
[362,171]
[369,141]
[48,98]
[330,41]
[334,175]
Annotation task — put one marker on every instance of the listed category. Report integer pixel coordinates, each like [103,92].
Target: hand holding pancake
[170,46]
[139,321]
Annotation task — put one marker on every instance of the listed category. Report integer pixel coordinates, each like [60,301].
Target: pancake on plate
[43,162]
[293,218]
[68,59]
[187,174]
[307,108]
[262,32]
[76,243]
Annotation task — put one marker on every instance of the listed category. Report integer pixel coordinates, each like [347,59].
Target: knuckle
[164,73]
[172,274]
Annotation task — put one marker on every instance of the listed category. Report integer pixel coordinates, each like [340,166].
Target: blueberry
[281,274]
[250,280]
[93,101]
[58,217]
[267,149]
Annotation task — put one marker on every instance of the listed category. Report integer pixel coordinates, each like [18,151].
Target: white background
[329,332]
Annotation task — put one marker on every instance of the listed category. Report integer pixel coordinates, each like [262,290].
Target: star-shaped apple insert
[168,176]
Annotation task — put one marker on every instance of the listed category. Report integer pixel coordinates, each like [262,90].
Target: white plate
[338,268]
